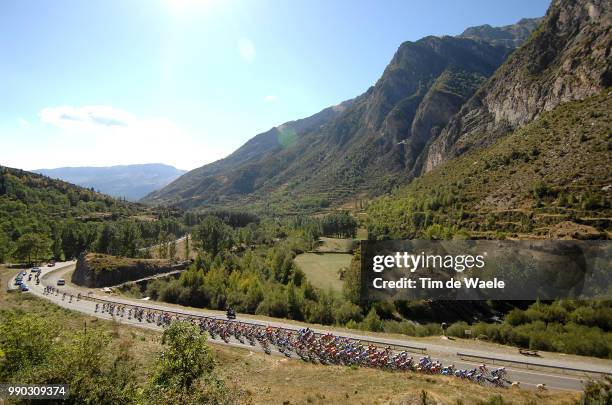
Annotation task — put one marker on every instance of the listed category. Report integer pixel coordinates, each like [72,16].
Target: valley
[498,133]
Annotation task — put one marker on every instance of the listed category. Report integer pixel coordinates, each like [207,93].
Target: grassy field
[273,380]
[321,269]
[362,233]
[262,379]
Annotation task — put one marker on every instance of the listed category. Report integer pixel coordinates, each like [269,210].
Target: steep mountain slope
[381,136]
[550,179]
[130,181]
[365,145]
[229,175]
[567,58]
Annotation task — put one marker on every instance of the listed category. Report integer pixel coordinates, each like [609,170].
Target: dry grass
[99,262]
[273,380]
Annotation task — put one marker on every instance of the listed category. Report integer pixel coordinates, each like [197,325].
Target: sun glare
[187,5]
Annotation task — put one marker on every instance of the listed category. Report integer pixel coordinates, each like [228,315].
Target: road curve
[528,378]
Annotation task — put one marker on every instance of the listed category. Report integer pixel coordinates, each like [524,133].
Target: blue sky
[186,82]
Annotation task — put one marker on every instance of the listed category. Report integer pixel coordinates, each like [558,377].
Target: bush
[184,371]
[403,327]
[372,322]
[457,329]
[516,317]
[597,392]
[429,329]
[546,327]
[36,352]
[347,312]
[589,316]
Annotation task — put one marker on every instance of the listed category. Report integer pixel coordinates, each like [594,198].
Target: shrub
[347,312]
[516,317]
[372,322]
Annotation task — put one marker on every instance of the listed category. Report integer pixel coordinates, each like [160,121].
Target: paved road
[447,354]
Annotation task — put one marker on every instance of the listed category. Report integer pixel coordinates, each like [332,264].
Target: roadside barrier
[528,365]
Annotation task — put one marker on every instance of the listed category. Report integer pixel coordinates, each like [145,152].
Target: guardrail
[528,365]
[395,347]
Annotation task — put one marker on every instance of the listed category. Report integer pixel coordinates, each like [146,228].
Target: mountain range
[363,146]
[438,98]
[126,181]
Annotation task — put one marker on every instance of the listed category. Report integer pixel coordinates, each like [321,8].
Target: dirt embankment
[99,270]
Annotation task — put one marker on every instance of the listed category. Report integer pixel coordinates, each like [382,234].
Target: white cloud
[67,117]
[270,98]
[105,135]
[23,123]
[246,49]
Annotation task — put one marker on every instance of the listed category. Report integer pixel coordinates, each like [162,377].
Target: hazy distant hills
[129,181]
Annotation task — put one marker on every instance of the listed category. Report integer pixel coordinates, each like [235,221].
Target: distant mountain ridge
[510,35]
[365,145]
[129,181]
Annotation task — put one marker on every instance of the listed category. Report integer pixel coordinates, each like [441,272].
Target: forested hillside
[541,181]
[42,218]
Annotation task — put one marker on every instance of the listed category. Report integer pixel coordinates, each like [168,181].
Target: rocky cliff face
[567,58]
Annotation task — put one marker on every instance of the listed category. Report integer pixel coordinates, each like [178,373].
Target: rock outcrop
[98,270]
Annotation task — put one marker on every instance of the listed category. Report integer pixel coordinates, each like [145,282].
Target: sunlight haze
[186,82]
